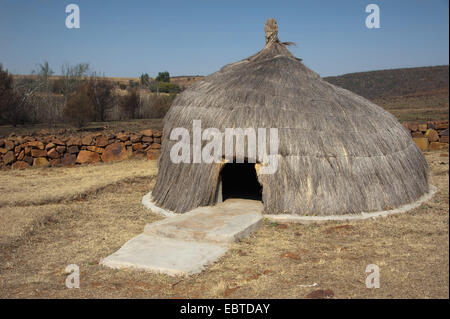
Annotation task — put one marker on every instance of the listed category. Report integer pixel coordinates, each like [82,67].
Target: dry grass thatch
[338,152]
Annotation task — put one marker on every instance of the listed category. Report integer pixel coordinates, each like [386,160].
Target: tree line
[79,96]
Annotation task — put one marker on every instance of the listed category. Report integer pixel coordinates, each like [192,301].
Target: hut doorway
[239,180]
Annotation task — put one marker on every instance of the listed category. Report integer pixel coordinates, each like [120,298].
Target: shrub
[79,109]
[58,86]
[164,87]
[129,104]
[163,77]
[144,79]
[12,105]
[100,91]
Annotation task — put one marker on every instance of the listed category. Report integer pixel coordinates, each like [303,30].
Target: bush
[12,105]
[79,109]
[58,86]
[129,104]
[155,106]
[163,77]
[100,91]
[165,87]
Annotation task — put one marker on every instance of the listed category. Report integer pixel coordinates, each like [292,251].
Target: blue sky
[127,38]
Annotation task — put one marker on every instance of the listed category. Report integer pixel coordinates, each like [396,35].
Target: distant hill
[394,82]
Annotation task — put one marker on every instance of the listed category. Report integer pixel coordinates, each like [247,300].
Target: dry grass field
[53,217]
[420,107]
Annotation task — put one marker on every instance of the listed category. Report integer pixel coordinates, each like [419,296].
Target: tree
[72,76]
[144,79]
[79,108]
[100,91]
[163,77]
[12,101]
[129,103]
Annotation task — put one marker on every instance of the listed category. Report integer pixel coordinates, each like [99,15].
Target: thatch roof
[338,152]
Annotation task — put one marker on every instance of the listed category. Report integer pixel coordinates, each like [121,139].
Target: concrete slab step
[185,244]
[164,255]
[228,221]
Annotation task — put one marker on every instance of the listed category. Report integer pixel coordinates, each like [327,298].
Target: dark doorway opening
[239,180]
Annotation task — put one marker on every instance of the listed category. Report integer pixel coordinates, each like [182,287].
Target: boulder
[53,153]
[87,140]
[441,125]
[38,153]
[101,141]
[115,152]
[147,139]
[148,133]
[28,159]
[432,135]
[95,149]
[444,139]
[41,162]
[60,149]
[74,141]
[68,159]
[8,158]
[3,150]
[49,146]
[57,141]
[155,146]
[417,134]
[436,146]
[421,142]
[414,127]
[137,147]
[88,157]
[36,144]
[153,154]
[9,145]
[135,138]
[55,162]
[123,137]
[73,149]
[21,155]
[157,134]
[20,165]
[422,127]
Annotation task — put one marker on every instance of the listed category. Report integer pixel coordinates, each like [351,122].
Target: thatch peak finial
[271,29]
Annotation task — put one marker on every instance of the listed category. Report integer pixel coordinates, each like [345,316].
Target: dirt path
[410,249]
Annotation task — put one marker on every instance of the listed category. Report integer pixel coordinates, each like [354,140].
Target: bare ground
[41,233]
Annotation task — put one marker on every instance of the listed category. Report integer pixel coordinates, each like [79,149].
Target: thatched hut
[338,152]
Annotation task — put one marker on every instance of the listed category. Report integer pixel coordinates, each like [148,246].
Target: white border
[291,218]
[147,201]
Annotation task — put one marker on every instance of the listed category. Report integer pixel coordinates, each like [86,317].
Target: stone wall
[432,135]
[70,149]
[66,148]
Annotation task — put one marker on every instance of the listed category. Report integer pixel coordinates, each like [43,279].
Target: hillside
[394,82]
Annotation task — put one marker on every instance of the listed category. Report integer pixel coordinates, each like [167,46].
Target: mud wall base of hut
[291,218]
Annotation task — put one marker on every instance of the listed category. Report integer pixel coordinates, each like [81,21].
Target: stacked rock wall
[44,149]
